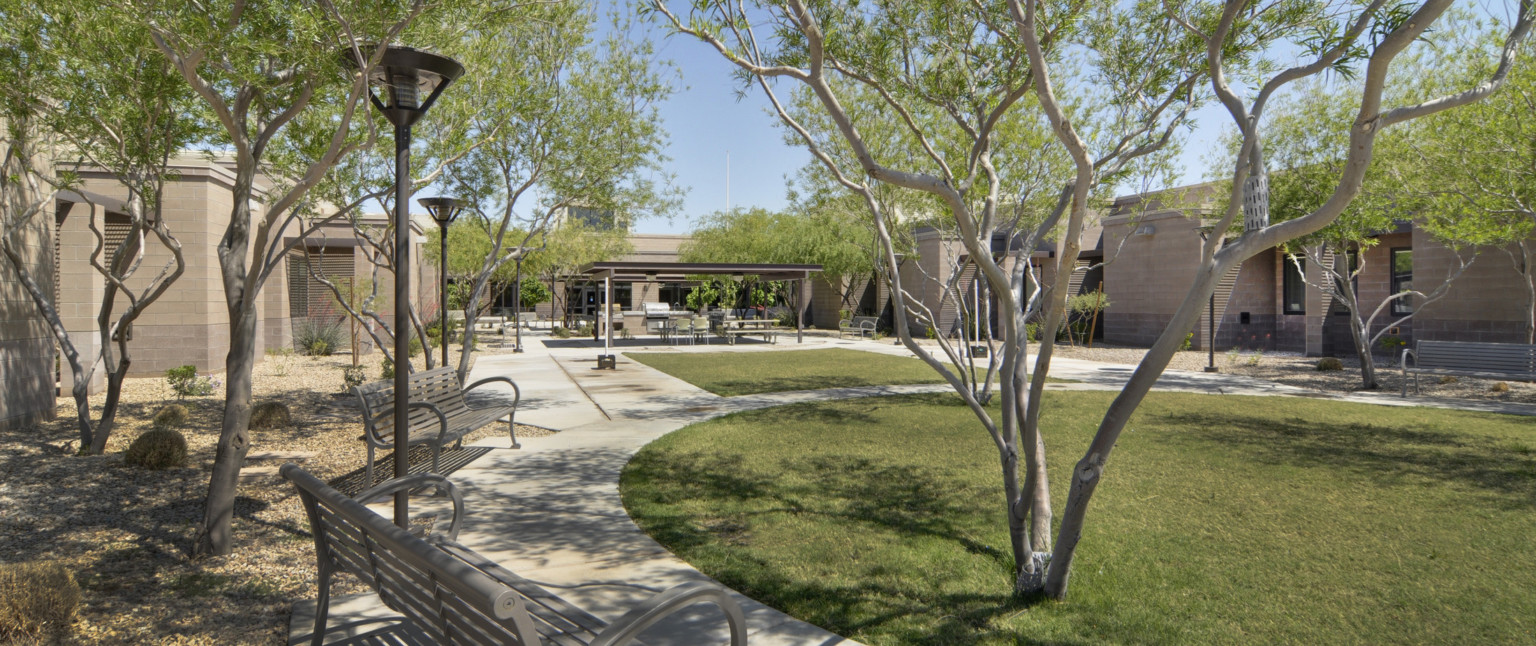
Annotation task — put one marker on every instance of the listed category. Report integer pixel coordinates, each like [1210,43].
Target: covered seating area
[689,327]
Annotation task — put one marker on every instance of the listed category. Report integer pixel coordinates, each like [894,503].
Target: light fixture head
[443,209]
[405,75]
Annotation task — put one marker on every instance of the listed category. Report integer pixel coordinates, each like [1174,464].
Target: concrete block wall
[1487,303]
[1150,276]
[26,345]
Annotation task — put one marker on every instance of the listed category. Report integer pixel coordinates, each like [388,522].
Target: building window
[1294,288]
[1402,280]
[1352,269]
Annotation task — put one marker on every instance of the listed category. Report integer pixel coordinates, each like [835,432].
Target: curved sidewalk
[552,511]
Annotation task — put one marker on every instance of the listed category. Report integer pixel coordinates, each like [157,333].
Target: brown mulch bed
[126,533]
[1295,370]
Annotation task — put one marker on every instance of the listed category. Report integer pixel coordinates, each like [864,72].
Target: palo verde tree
[62,61]
[1307,130]
[257,68]
[1472,174]
[951,87]
[1313,38]
[577,128]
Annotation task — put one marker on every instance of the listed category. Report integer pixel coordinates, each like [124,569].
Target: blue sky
[705,120]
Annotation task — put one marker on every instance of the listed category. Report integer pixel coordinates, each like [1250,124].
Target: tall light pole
[395,86]
[517,303]
[444,211]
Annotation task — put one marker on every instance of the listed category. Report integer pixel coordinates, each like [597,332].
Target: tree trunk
[109,409]
[1344,290]
[77,370]
[1528,272]
[215,536]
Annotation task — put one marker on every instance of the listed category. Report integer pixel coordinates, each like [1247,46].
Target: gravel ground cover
[126,533]
[1295,370]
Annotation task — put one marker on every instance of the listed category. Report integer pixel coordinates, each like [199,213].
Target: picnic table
[733,328]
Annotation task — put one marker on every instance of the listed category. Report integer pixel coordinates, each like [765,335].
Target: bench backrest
[1505,358]
[865,321]
[439,386]
[444,597]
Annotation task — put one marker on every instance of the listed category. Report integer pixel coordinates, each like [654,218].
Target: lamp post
[395,86]
[517,304]
[444,211]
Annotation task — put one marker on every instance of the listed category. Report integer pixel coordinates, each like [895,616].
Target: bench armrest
[517,393]
[441,488]
[867,325]
[370,432]
[678,597]
[1403,361]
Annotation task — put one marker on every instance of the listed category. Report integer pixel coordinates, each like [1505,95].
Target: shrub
[414,347]
[1500,387]
[1233,354]
[583,330]
[157,449]
[1256,357]
[1329,364]
[271,415]
[35,597]
[1448,379]
[354,376]
[171,416]
[185,382]
[435,332]
[561,332]
[387,369]
[1391,343]
[317,337]
[1189,342]
[1032,331]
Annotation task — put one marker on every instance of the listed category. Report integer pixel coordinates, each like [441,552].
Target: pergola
[610,272]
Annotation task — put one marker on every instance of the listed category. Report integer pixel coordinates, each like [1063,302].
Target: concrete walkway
[552,512]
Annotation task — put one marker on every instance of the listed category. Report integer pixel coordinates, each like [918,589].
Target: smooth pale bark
[1089,471]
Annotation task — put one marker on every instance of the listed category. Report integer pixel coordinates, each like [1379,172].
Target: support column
[800,303]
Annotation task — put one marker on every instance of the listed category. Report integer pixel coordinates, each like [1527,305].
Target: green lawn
[1221,520]
[748,373]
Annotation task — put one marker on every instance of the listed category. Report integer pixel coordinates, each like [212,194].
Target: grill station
[657,314]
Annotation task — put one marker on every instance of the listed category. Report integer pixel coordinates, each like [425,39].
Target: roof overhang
[679,271]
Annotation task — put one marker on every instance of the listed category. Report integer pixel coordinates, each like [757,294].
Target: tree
[257,68]
[62,62]
[562,250]
[1475,173]
[1373,38]
[1307,130]
[843,246]
[939,100]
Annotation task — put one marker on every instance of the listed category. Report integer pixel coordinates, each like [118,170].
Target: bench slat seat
[438,414]
[1467,359]
[453,595]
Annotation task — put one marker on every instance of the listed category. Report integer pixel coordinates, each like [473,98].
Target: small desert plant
[1032,331]
[931,333]
[583,330]
[271,415]
[561,332]
[36,597]
[1256,357]
[1391,343]
[185,382]
[354,376]
[317,337]
[1448,379]
[1189,342]
[1329,364]
[171,416]
[157,449]
[387,369]
[1500,387]
[414,347]
[1233,355]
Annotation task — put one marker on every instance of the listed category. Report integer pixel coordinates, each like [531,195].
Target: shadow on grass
[1507,477]
[849,493]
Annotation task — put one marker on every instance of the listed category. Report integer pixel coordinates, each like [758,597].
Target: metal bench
[1465,359]
[861,326]
[452,595]
[438,412]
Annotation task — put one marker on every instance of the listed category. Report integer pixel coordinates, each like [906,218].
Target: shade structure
[680,271]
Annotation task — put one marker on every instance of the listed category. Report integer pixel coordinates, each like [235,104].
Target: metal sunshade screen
[115,230]
[307,296]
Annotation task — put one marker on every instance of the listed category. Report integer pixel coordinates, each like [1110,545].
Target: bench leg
[512,432]
[368,470]
[322,608]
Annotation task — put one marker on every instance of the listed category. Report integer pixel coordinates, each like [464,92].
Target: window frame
[1289,268]
[1402,306]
